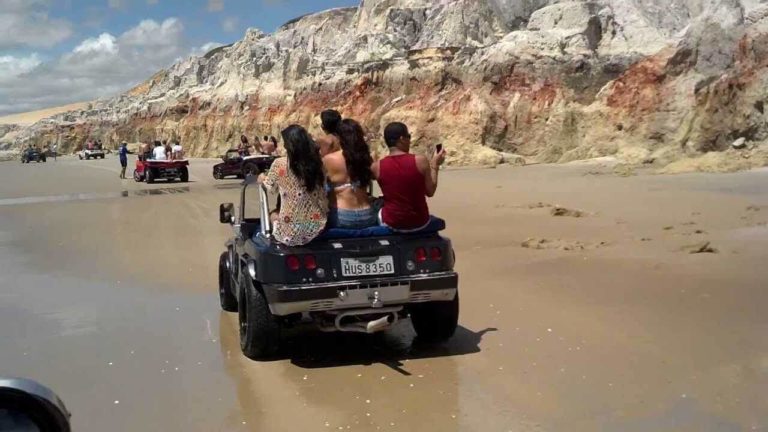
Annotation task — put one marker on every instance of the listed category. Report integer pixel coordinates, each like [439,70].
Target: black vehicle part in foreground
[26,405]
[351,281]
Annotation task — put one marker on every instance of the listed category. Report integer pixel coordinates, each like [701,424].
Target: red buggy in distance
[150,170]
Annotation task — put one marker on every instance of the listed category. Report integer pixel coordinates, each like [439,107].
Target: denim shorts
[352,219]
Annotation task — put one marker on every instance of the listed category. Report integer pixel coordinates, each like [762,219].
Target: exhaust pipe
[369,327]
[379,324]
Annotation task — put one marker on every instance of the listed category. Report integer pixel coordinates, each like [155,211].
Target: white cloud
[11,66]
[104,43]
[204,49]
[229,24]
[97,67]
[215,5]
[26,23]
[151,33]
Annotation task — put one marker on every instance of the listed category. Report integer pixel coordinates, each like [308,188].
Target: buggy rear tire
[184,176]
[260,332]
[218,174]
[227,299]
[137,177]
[149,175]
[435,322]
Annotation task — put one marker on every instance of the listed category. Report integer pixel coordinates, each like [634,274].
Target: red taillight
[309,262]
[437,254]
[292,262]
[420,255]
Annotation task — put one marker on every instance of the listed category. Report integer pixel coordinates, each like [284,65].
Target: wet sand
[602,322]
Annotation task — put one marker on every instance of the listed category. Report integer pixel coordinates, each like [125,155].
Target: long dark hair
[303,157]
[356,152]
[331,121]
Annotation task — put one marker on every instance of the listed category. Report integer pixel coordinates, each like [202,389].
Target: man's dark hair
[331,120]
[265,138]
[158,143]
[393,132]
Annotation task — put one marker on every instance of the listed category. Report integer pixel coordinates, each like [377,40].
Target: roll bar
[266,222]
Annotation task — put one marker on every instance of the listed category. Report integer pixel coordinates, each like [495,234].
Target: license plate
[367,267]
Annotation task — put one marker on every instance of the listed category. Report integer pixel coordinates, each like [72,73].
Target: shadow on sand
[391,348]
[312,349]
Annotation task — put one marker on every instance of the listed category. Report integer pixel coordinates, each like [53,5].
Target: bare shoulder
[334,159]
[422,162]
[333,156]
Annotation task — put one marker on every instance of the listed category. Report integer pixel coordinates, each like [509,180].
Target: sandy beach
[590,301]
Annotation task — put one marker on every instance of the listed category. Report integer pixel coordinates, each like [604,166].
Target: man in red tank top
[406,180]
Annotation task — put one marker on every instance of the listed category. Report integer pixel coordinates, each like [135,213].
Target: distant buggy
[89,154]
[149,170]
[233,164]
[32,155]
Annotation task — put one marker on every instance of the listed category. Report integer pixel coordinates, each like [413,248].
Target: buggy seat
[435,225]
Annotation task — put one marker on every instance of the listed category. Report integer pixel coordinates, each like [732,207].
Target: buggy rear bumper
[372,293]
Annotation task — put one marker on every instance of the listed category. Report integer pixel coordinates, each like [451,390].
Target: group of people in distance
[93,144]
[162,150]
[267,146]
[324,183]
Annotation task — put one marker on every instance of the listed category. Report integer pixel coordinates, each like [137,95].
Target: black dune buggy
[32,154]
[234,164]
[346,280]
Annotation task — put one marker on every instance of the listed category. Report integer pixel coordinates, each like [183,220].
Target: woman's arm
[270,180]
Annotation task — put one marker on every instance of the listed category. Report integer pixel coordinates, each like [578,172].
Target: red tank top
[405,195]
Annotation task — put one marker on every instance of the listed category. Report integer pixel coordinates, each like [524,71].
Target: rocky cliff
[647,81]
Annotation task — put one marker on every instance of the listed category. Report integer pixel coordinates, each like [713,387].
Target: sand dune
[31,117]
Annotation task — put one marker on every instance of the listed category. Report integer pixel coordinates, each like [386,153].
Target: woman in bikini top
[349,176]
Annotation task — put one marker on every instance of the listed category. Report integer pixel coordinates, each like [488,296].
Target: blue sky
[54,52]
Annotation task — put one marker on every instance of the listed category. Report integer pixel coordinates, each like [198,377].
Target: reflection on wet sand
[92,196]
[356,380]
